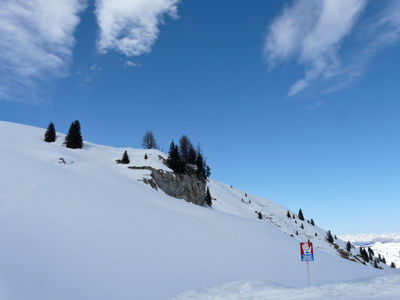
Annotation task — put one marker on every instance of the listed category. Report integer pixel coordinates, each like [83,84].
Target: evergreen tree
[329,237]
[74,138]
[259,214]
[312,222]
[370,251]
[192,155]
[288,214]
[302,226]
[384,260]
[393,265]
[376,263]
[348,246]
[174,160]
[208,198]
[50,135]
[200,170]
[364,254]
[148,141]
[301,217]
[145,156]
[370,256]
[125,158]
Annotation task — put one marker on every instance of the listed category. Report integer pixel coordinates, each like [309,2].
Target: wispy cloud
[131,27]
[130,64]
[312,32]
[36,40]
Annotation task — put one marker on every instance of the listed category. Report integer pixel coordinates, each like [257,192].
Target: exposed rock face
[181,186]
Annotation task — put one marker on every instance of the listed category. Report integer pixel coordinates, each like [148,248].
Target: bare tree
[149,142]
[186,149]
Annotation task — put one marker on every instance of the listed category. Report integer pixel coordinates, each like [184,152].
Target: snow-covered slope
[386,244]
[75,225]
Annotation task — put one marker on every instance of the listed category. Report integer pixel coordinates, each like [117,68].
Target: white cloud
[130,64]
[36,40]
[131,26]
[311,31]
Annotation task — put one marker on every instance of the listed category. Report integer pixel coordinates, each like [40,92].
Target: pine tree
[74,138]
[348,246]
[259,214]
[174,160]
[208,198]
[145,156]
[393,265]
[50,135]
[288,214]
[125,158]
[200,171]
[370,251]
[300,214]
[192,155]
[148,141]
[384,260]
[302,226]
[312,222]
[329,237]
[364,254]
[376,263]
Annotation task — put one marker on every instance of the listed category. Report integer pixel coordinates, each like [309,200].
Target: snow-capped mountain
[386,244]
[76,225]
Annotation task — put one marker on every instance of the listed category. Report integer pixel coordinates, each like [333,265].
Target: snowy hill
[75,225]
[387,244]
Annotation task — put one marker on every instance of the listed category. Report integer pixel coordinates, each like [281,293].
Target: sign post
[307,254]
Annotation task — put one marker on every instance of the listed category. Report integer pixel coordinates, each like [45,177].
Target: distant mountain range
[386,244]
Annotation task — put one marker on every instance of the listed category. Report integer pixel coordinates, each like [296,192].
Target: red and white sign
[307,251]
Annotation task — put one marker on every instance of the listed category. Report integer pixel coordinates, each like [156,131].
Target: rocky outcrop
[182,186]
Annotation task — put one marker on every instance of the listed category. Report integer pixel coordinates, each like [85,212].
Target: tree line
[73,139]
[180,157]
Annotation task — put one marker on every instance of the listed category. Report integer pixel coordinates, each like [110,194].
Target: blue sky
[296,101]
